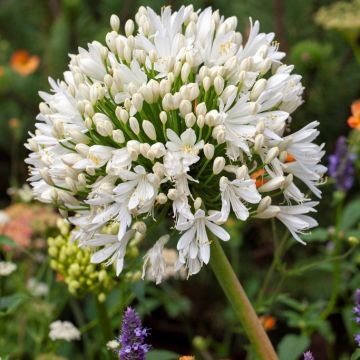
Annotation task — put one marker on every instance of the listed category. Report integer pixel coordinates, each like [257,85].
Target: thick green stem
[104,320]
[241,304]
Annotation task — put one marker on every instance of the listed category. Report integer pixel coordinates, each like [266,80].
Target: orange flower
[258,176]
[268,322]
[24,63]
[1,71]
[186,358]
[14,123]
[354,120]
[289,158]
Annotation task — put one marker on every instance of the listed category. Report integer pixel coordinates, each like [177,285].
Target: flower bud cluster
[175,117]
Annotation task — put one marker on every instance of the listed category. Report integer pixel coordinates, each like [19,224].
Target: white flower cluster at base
[64,330]
[176,118]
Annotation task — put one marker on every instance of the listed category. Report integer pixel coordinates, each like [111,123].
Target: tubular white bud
[201,109]
[264,203]
[127,54]
[283,156]
[133,147]
[177,68]
[82,149]
[144,148]
[228,92]
[150,155]
[158,149]
[260,127]
[273,184]
[206,83]
[185,107]
[104,127]
[161,199]
[115,22]
[108,80]
[82,179]
[147,94]
[71,184]
[134,125]
[268,213]
[159,170]
[257,89]
[271,155]
[241,172]
[172,194]
[137,101]
[127,104]
[122,114]
[44,172]
[44,108]
[129,27]
[209,151]
[153,56]
[190,120]
[194,91]
[163,117]
[155,89]
[219,84]
[200,121]
[167,102]
[212,118]
[204,71]
[118,136]
[185,72]
[218,165]
[246,64]
[197,203]
[259,142]
[140,227]
[149,129]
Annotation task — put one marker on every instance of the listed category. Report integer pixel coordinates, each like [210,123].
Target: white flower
[194,243]
[154,261]
[232,192]
[63,330]
[37,288]
[156,121]
[7,267]
[113,250]
[112,345]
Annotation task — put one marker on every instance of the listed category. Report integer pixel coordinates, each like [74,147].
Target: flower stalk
[240,303]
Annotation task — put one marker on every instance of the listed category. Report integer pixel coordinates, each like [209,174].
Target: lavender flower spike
[341,165]
[132,337]
[356,311]
[308,356]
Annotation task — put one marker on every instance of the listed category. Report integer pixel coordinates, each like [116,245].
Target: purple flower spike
[308,356]
[132,337]
[341,165]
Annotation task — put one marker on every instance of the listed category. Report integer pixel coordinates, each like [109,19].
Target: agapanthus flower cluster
[132,337]
[177,117]
[308,356]
[341,165]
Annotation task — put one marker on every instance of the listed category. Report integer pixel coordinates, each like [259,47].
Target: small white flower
[112,345]
[63,330]
[37,288]
[7,267]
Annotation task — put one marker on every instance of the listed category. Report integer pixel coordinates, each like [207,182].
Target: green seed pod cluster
[74,267]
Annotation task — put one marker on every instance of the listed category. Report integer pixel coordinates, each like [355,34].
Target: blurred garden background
[307,296]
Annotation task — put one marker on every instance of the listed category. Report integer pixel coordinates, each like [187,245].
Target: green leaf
[4,240]
[319,234]
[8,304]
[351,215]
[162,355]
[355,355]
[292,346]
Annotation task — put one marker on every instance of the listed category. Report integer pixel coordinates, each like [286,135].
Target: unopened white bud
[118,136]
[144,149]
[137,101]
[158,149]
[241,172]
[212,118]
[163,117]
[194,91]
[115,22]
[44,172]
[200,109]
[200,121]
[71,184]
[206,83]
[283,156]
[218,165]
[268,213]
[122,114]
[246,64]
[209,151]
[273,184]
[172,194]
[271,155]
[127,54]
[161,199]
[134,125]
[44,108]
[259,142]
[264,203]
[185,107]
[185,71]
[82,149]
[129,27]
[133,147]
[219,84]
[197,203]
[159,170]
[288,180]
[167,102]
[153,56]
[257,89]
[140,227]
[108,80]
[260,127]
[149,129]
[190,120]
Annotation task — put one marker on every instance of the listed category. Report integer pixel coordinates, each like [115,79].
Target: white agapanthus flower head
[175,118]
